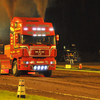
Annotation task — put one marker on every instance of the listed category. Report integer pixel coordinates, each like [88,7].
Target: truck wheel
[15,70]
[47,73]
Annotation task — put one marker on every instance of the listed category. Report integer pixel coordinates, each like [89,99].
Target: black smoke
[19,8]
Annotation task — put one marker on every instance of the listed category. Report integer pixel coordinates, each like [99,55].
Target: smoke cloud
[10,6]
[19,8]
[41,7]
[25,8]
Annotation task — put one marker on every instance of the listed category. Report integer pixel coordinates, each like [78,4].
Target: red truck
[32,47]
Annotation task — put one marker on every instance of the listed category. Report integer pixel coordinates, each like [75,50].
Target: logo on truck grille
[39,52]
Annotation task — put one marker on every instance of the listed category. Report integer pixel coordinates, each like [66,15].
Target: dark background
[77,21]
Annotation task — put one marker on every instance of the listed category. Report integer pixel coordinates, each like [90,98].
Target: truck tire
[47,73]
[15,69]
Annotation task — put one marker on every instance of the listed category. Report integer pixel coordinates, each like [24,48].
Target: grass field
[6,95]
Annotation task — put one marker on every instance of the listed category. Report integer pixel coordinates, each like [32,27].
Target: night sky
[76,21]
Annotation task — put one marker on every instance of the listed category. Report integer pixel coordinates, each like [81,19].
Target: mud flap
[4,66]
[4,71]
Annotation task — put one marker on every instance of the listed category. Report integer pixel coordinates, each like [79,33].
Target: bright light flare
[40,68]
[34,29]
[27,62]
[25,28]
[39,35]
[51,29]
[34,35]
[43,35]
[45,67]
[43,29]
[38,29]
[35,67]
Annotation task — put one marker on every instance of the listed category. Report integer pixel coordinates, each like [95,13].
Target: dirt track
[62,85]
[94,65]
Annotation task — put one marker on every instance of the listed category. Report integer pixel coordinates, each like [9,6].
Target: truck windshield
[26,39]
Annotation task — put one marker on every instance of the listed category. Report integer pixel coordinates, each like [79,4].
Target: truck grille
[40,52]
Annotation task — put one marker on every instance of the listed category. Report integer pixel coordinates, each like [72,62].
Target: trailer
[32,47]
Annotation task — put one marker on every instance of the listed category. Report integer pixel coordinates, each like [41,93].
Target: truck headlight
[46,67]
[35,67]
[52,62]
[40,67]
[26,62]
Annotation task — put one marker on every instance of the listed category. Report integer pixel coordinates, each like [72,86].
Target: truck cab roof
[27,19]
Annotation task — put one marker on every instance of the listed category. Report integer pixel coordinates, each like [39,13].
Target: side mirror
[57,37]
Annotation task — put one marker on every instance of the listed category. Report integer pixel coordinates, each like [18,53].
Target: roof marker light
[43,29]
[34,29]
[25,28]
[38,29]
[51,29]
[43,35]
[34,35]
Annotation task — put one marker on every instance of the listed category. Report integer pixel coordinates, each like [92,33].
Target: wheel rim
[14,69]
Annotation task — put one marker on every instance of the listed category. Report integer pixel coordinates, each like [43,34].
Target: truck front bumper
[32,64]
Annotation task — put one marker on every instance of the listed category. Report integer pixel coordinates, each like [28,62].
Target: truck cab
[32,46]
